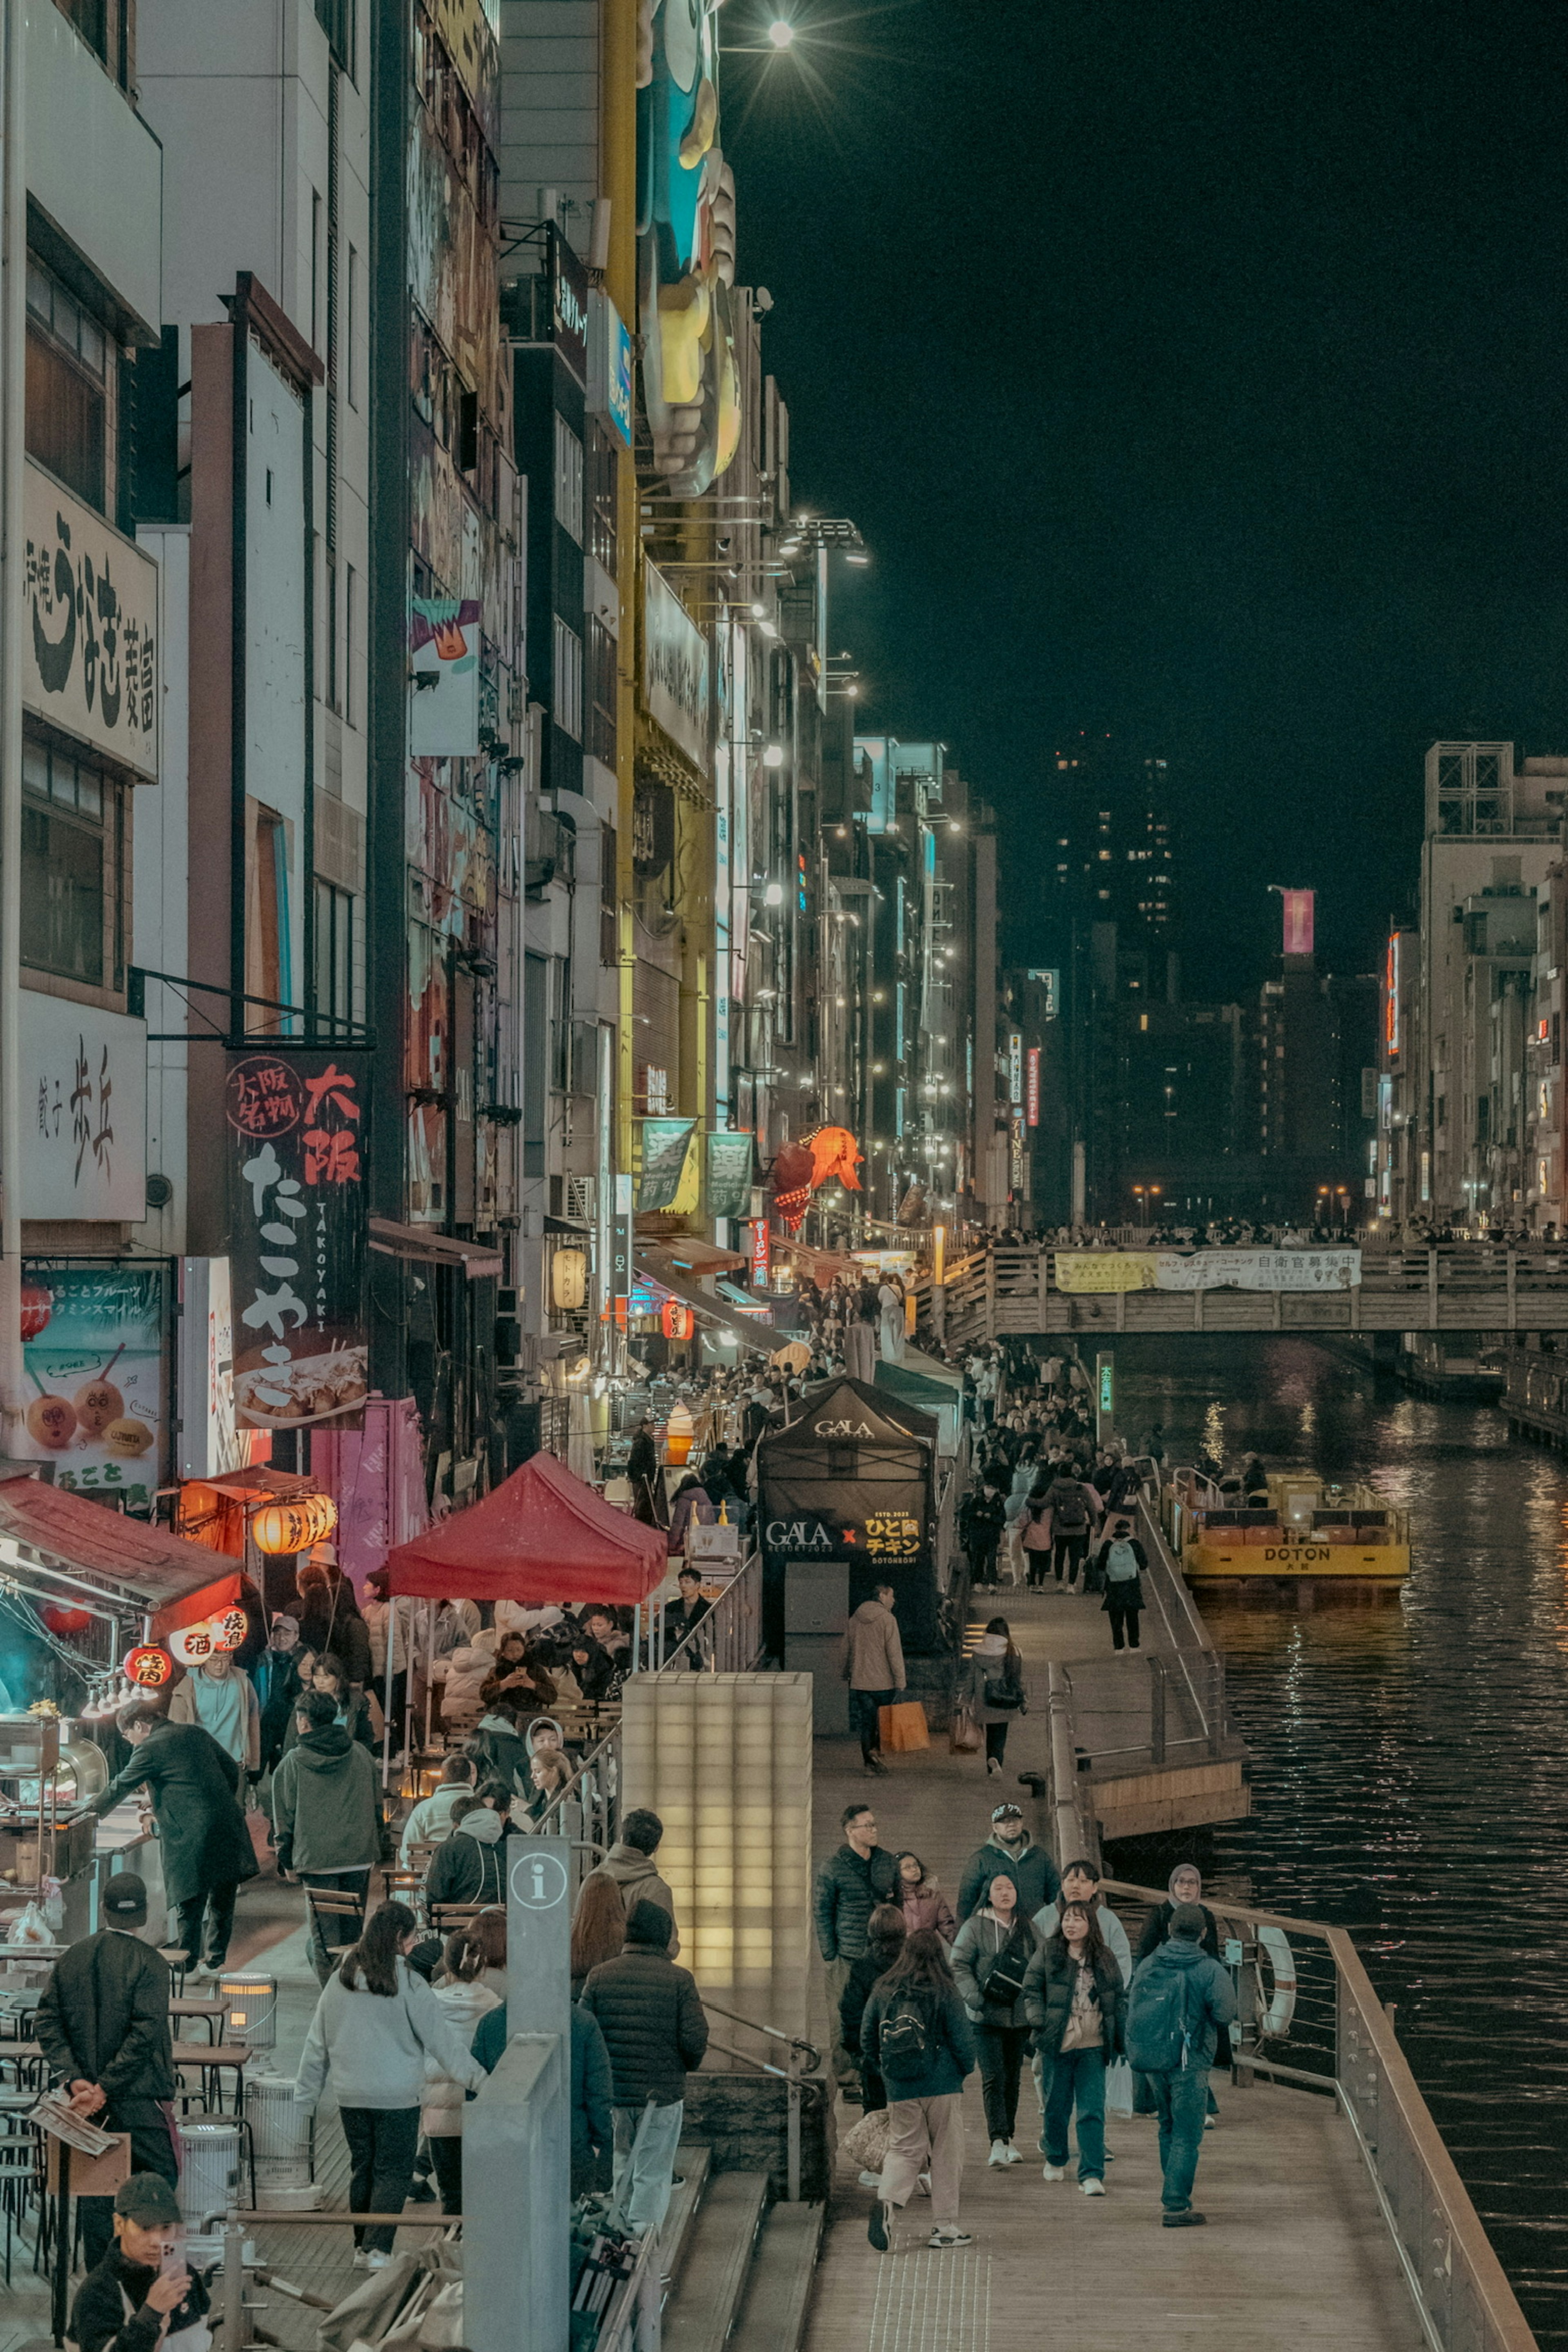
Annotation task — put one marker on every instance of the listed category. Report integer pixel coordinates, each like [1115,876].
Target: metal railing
[802,2058]
[1302,1986]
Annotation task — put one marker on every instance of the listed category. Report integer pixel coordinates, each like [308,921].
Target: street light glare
[781,34]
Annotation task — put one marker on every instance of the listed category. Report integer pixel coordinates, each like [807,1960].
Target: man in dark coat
[651,2017]
[850,1885]
[139,2297]
[206,1845]
[593,2092]
[103,2028]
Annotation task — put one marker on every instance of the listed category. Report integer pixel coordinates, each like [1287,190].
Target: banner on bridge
[1265,1269]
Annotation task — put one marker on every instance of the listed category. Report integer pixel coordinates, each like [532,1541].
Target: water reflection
[1411,1759]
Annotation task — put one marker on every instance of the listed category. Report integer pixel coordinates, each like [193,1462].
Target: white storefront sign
[84,1111]
[92,649]
[209,1439]
[675,685]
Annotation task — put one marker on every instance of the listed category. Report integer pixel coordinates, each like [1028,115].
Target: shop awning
[691,1257]
[472,1258]
[212,1512]
[543,1535]
[752,1331]
[137,1568]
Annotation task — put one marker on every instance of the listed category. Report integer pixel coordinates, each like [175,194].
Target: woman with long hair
[488,1932]
[598,1929]
[917,2035]
[921,1899]
[885,1930]
[994,1691]
[378,2031]
[464,1998]
[990,1961]
[1075,2000]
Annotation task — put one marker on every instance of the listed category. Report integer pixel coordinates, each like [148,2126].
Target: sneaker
[876,2227]
[1010,2154]
[1187,2221]
[950,2237]
[376,2261]
[1209,2122]
[870,2181]
[999,2152]
[993,1766]
[420,2191]
[875,1765]
[1092,2188]
[361,2257]
[1054,2171]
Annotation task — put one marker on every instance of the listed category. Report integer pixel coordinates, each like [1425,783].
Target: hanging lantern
[293,1527]
[676,1319]
[61,1619]
[38,1306]
[194,1644]
[148,1667]
[569,1279]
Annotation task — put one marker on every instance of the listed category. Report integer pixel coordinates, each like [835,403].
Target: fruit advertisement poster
[94,1352]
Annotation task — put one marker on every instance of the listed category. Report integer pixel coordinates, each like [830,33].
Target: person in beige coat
[218,1696]
[874,1670]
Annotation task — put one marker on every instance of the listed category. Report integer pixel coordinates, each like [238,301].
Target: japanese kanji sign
[84,1111]
[92,654]
[297,1147]
[97,1376]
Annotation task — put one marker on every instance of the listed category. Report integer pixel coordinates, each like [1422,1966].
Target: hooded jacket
[649,2013]
[873,1654]
[225,1705]
[441,2106]
[471,1867]
[991,1663]
[1028,1865]
[325,1814]
[465,1679]
[1210,1996]
[635,1876]
[496,1741]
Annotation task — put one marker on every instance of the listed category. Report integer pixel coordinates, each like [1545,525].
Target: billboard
[676,689]
[1032,1086]
[1297,921]
[83,1084]
[1391,1038]
[295,1142]
[94,1357]
[91,643]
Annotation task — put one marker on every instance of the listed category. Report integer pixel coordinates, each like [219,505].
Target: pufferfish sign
[686,247]
[802,1168]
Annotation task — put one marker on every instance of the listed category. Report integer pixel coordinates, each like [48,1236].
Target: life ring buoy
[1276,2019]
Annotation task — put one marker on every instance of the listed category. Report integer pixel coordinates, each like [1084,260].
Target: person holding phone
[139,2297]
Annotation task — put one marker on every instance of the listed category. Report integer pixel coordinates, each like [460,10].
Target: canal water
[1410,1776]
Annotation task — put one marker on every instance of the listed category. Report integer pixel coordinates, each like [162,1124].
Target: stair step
[691,2163]
[705,2299]
[772,2312]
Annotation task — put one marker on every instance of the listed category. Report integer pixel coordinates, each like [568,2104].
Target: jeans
[218,1904]
[1000,2050]
[982,1562]
[1181,2102]
[331,1933]
[1124,1616]
[645,2141]
[996,1741]
[865,1713]
[1077,2078]
[382,2141]
[447,2163]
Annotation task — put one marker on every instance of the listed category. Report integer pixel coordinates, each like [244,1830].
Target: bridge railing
[1301,1987]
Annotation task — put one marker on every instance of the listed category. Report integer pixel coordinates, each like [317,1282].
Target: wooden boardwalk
[1294,2254]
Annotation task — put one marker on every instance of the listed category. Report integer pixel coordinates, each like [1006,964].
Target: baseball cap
[147,2200]
[1008,1813]
[125,1900]
[1187,1920]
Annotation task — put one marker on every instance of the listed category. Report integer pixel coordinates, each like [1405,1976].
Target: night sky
[1198,372]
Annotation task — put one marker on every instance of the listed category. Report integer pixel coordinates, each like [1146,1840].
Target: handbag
[866,2143]
[1004,1695]
[964,1739]
[903,1727]
[1119,2088]
[1005,1980]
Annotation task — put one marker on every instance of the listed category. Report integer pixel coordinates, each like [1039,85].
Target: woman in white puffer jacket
[464,1998]
[466,1677]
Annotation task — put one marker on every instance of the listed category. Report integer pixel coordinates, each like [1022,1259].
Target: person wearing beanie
[652,2019]
[103,2029]
[470,1867]
[138,2295]
[1179,2000]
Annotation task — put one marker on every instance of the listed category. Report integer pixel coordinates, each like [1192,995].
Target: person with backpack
[1034,1524]
[469,1866]
[849,1887]
[994,1692]
[1073,1507]
[916,2034]
[1179,2001]
[1119,1568]
[1076,2003]
[990,1959]
[1009,1847]
[982,1530]
[885,1932]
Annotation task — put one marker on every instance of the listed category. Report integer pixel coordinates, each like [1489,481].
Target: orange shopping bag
[904,1726]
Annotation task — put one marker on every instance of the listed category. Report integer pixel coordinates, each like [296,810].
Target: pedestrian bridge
[1035,1290]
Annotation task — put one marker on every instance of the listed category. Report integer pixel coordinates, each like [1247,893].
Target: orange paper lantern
[294,1527]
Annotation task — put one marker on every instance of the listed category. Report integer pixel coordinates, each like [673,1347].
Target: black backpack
[1071,1513]
[906,2037]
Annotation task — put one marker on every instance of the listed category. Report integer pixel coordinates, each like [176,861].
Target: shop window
[568,479]
[67,387]
[568,694]
[72,899]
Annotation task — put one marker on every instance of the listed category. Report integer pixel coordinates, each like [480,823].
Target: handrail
[773,2032]
[791,2075]
[1443,2248]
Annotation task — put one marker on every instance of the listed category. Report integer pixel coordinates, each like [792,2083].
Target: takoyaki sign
[297,1145]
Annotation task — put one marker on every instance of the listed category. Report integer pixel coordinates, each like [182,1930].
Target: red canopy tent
[541,1536]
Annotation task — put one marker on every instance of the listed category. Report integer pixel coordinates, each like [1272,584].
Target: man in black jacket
[128,2299]
[103,2027]
[850,1885]
[207,1846]
[470,1867]
[651,2017]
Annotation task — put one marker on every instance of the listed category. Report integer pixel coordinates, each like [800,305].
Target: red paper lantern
[677,1319]
[38,1306]
[148,1667]
[62,1620]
